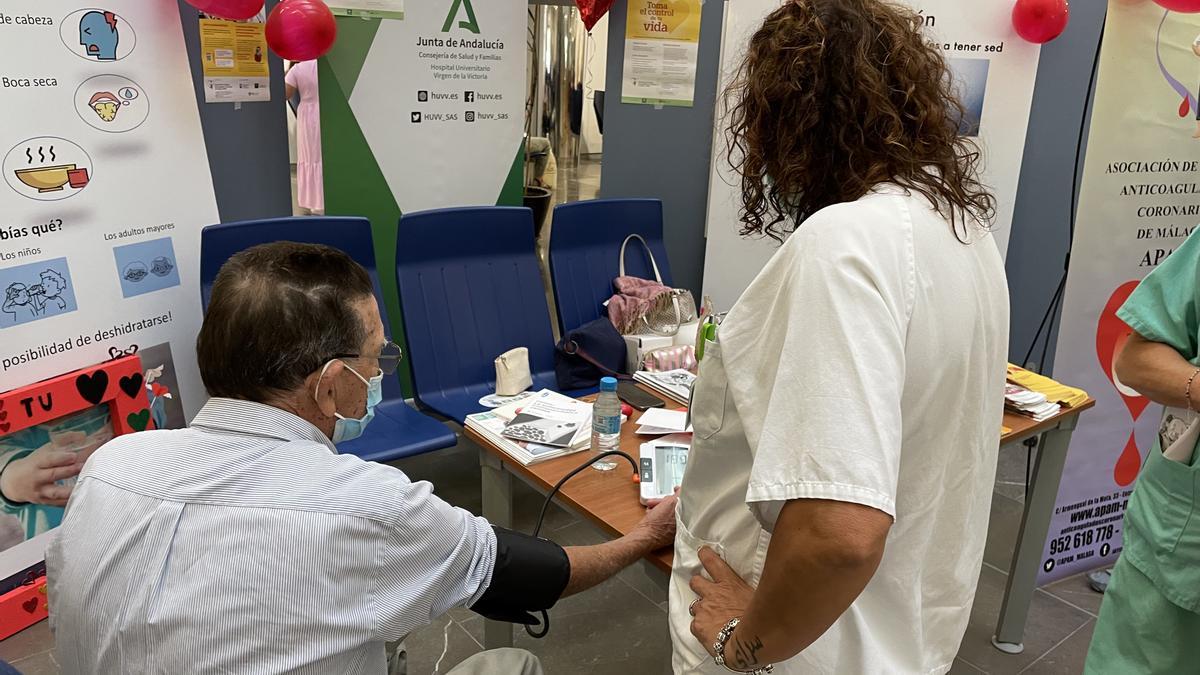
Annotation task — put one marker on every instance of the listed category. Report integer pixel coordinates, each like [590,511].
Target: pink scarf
[634,299]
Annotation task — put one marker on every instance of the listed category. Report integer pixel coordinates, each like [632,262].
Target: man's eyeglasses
[389,357]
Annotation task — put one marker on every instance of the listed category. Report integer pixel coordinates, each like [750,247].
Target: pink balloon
[1040,21]
[301,30]
[1184,6]
[229,9]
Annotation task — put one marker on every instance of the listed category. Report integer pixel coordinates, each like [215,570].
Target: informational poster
[234,57]
[368,9]
[662,48]
[1139,200]
[994,71]
[105,188]
[424,113]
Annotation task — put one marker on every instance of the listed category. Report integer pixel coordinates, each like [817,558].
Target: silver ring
[692,607]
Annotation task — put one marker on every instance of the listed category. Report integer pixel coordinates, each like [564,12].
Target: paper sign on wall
[234,57]
[662,48]
[368,9]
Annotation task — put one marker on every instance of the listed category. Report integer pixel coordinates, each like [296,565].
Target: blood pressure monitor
[661,468]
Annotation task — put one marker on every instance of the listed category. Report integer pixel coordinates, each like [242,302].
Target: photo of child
[38,467]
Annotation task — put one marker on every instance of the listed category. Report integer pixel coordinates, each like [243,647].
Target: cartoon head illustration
[161,266]
[106,105]
[135,271]
[17,293]
[99,35]
[53,283]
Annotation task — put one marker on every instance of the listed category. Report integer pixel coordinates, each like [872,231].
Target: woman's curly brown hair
[835,97]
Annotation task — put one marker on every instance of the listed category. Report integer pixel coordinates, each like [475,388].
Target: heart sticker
[132,385]
[139,420]
[92,387]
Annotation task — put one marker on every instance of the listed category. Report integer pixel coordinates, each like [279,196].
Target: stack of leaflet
[1019,400]
[537,429]
[1055,392]
[674,384]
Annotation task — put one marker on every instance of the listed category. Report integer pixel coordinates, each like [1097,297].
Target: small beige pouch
[512,372]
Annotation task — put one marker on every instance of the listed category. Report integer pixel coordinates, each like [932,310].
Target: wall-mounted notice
[1139,200]
[234,56]
[662,48]
[994,71]
[105,188]
[368,9]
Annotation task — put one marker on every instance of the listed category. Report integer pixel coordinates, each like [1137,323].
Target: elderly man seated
[247,544]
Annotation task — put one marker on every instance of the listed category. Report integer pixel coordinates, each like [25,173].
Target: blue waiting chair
[398,430]
[585,248]
[471,289]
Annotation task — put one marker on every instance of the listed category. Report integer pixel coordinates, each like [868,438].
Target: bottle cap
[608,384]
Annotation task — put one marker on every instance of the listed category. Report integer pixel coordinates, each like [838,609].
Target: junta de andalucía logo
[456,8]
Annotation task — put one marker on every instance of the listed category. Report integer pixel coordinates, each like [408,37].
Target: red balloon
[229,9]
[592,11]
[1040,21]
[1184,6]
[301,30]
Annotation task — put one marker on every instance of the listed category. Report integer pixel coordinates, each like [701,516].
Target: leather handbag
[677,309]
[588,353]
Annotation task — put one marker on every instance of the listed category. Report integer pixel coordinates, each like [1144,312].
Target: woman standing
[1150,618]
[302,79]
[847,418]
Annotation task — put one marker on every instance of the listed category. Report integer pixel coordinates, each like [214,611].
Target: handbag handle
[653,262]
[659,279]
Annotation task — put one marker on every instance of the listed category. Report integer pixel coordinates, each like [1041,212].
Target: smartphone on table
[638,397]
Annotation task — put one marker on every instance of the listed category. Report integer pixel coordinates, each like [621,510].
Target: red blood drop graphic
[1111,334]
[1185,107]
[1129,464]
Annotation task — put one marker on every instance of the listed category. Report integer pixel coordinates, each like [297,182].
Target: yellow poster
[235,61]
[664,20]
[662,47]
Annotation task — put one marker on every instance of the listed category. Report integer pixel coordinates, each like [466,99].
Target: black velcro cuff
[530,575]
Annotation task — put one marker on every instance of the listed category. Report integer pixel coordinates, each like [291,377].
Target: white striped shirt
[246,544]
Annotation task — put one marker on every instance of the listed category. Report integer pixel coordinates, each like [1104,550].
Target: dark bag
[588,353]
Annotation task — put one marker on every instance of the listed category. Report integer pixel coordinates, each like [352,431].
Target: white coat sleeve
[834,337]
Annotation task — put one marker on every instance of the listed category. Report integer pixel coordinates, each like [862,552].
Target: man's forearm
[592,565]
[1157,371]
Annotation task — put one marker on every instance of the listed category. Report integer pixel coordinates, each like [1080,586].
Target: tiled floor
[620,628]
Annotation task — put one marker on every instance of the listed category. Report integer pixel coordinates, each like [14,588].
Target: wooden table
[610,501]
[1035,518]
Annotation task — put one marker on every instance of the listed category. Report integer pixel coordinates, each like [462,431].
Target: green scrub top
[1154,600]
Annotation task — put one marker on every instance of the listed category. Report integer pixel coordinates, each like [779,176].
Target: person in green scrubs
[1150,619]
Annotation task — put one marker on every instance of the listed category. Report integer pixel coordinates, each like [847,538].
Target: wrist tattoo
[745,657]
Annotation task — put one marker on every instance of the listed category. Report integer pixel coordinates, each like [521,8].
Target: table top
[610,499]
[1024,427]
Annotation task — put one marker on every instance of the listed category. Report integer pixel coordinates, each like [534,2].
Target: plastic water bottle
[606,423]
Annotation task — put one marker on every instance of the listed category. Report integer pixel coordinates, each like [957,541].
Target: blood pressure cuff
[530,575]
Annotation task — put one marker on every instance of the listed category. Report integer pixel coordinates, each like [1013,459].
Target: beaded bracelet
[1188,392]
